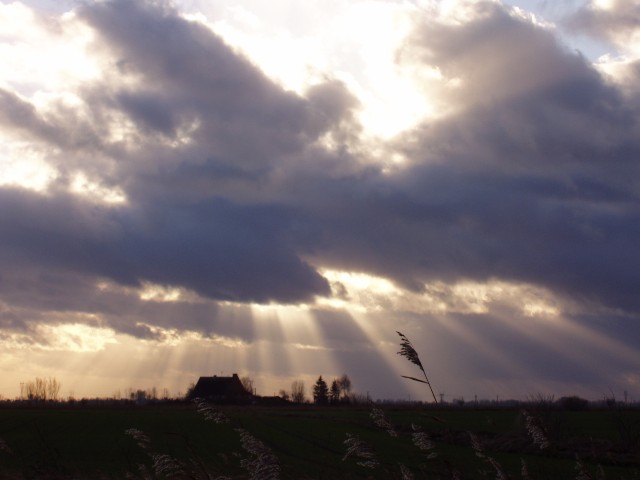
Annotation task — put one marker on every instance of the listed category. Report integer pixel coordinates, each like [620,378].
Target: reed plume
[4,447]
[423,441]
[209,412]
[358,448]
[405,473]
[407,351]
[477,447]
[380,419]
[535,432]
[262,463]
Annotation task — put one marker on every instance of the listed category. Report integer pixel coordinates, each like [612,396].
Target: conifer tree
[320,392]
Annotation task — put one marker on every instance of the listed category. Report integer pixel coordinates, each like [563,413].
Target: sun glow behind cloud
[22,165]
[362,293]
[44,54]
[74,337]
[81,185]
[159,293]
[362,54]
[43,60]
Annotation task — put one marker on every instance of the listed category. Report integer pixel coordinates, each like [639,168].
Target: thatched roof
[220,389]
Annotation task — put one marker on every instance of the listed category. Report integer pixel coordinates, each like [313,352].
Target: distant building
[221,390]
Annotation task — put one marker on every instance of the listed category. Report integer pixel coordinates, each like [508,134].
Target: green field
[90,442]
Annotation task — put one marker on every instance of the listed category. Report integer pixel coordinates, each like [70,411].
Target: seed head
[407,351]
[358,448]
[210,413]
[381,421]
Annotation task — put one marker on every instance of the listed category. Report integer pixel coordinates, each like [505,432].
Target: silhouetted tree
[344,384]
[573,403]
[41,389]
[283,394]
[297,391]
[320,392]
[141,396]
[247,383]
[190,389]
[53,389]
[334,392]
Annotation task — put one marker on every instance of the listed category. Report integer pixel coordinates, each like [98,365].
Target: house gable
[221,389]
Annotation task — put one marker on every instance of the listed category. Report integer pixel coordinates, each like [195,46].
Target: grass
[86,442]
[544,426]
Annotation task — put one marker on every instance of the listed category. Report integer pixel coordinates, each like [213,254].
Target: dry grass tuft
[423,441]
[262,464]
[381,421]
[477,447]
[168,467]
[358,448]
[583,474]
[524,470]
[140,437]
[405,473]
[4,447]
[210,413]
[535,431]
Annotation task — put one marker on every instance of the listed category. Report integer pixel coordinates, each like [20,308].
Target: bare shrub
[41,389]
[297,391]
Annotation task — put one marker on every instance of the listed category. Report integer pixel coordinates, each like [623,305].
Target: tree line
[337,392]
[41,389]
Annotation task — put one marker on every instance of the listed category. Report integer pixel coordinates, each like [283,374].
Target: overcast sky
[274,188]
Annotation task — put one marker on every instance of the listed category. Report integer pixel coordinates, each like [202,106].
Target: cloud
[614,21]
[231,187]
[180,167]
[186,124]
[530,178]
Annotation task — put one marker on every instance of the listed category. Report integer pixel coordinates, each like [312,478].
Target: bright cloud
[44,54]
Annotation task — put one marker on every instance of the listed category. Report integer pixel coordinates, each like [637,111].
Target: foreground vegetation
[309,442]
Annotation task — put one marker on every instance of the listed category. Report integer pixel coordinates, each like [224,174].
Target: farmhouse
[221,390]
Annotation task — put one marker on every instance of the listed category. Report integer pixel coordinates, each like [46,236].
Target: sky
[274,189]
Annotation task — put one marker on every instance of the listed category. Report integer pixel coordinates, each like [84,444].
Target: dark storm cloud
[184,73]
[225,251]
[33,296]
[217,249]
[178,228]
[531,177]
[53,231]
[545,175]
[20,115]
